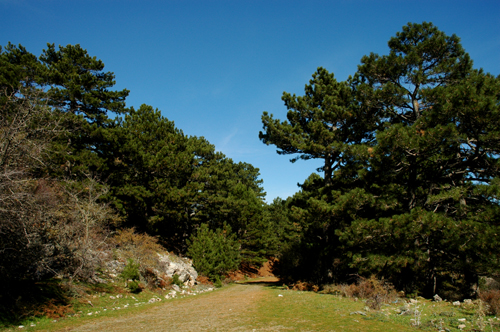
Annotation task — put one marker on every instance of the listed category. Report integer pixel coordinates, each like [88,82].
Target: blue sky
[213,67]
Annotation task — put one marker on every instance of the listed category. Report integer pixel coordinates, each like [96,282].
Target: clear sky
[213,67]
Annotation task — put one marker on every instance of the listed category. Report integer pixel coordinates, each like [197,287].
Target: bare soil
[228,309]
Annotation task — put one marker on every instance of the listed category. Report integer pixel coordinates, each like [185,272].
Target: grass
[103,302]
[280,309]
[309,311]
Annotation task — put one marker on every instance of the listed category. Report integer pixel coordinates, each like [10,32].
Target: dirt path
[226,309]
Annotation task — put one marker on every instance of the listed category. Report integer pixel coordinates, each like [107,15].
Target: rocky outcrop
[179,266]
[166,267]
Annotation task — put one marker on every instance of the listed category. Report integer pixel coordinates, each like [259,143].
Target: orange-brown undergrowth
[54,311]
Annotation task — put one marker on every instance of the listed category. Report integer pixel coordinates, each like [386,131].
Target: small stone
[437,298]
[21,326]
[280,295]
[462,320]
[456,303]
[461,326]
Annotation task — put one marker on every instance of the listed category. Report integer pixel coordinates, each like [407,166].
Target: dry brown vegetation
[492,298]
[375,291]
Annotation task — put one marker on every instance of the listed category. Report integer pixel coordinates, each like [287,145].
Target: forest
[409,189]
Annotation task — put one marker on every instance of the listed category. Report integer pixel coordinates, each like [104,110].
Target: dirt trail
[226,309]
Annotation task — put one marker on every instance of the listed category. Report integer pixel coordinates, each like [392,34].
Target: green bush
[134,286]
[214,253]
[177,281]
[131,271]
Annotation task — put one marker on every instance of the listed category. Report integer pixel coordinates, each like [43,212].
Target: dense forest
[409,192]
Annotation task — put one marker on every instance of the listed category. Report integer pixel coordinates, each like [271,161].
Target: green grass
[308,311]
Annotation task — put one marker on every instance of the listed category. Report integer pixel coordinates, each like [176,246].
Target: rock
[467,301]
[461,326]
[358,313]
[182,267]
[437,298]
[461,319]
[456,303]
[176,288]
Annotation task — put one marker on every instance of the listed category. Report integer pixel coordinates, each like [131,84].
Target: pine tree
[415,201]
[214,253]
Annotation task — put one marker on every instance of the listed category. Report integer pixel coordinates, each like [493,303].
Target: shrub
[376,292]
[177,281]
[214,253]
[135,286]
[492,298]
[142,248]
[131,271]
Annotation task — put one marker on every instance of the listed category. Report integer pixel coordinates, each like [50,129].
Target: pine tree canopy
[411,147]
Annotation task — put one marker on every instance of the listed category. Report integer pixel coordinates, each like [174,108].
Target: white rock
[280,295]
[456,303]
[462,320]
[461,326]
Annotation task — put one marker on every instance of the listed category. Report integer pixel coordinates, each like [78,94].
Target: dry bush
[48,227]
[81,227]
[304,286]
[54,311]
[204,280]
[375,291]
[492,298]
[144,249]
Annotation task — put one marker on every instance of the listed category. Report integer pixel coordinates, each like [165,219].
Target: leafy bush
[214,252]
[131,271]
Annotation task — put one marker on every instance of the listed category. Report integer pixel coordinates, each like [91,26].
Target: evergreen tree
[415,201]
[326,123]
[214,253]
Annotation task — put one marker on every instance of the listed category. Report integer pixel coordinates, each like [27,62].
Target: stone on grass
[437,298]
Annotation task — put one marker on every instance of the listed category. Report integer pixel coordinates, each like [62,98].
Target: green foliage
[410,187]
[177,281]
[131,271]
[134,286]
[214,253]
[217,282]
